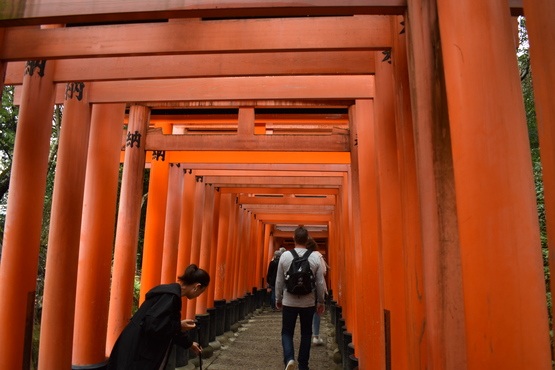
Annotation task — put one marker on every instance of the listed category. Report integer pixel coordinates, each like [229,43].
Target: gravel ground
[257,345]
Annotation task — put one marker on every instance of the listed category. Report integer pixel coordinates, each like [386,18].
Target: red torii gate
[439,164]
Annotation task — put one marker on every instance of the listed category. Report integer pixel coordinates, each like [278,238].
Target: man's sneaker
[290,365]
[317,340]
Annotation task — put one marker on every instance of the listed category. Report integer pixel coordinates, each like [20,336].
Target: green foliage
[8,125]
[529,106]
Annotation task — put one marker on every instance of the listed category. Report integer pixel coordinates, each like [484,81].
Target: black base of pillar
[220,316]
[228,316]
[203,329]
[347,339]
[212,320]
[100,366]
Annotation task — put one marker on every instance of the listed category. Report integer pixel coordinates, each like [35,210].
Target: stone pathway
[257,346]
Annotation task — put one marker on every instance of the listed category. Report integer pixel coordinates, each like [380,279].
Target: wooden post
[196,236]
[391,228]
[222,260]
[504,289]
[238,235]
[174,202]
[214,246]
[412,238]
[20,248]
[97,235]
[445,321]
[186,231]
[56,336]
[367,249]
[206,241]
[231,272]
[127,232]
[155,221]
[541,34]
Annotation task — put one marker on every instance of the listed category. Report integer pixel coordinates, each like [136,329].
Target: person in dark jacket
[271,278]
[144,344]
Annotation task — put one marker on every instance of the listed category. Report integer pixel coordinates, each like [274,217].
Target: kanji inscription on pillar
[159,155]
[134,138]
[74,90]
[32,65]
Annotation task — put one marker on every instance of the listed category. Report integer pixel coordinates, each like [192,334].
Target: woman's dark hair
[311,244]
[194,275]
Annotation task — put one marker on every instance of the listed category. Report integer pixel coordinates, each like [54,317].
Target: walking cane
[198,336]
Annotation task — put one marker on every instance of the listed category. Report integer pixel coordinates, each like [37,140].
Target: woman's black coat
[144,342]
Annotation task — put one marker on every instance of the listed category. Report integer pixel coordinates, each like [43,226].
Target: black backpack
[299,279]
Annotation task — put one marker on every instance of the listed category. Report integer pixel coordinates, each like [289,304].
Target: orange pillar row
[410,205]
[350,306]
[127,232]
[441,258]
[222,260]
[186,230]
[196,236]
[240,253]
[237,245]
[541,34]
[231,249]
[97,235]
[268,251]
[22,228]
[214,245]
[174,202]
[502,270]
[369,333]
[390,233]
[155,220]
[206,241]
[254,255]
[56,336]
[332,256]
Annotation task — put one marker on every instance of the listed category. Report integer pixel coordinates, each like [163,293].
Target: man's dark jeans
[288,330]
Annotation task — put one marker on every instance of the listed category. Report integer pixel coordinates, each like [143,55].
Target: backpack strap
[294,253]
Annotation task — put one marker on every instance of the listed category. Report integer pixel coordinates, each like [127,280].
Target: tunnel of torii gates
[393,129]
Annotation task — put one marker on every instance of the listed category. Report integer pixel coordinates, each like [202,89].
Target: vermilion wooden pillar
[22,229]
[56,335]
[155,221]
[254,255]
[504,289]
[258,253]
[127,232]
[269,249]
[445,321]
[238,235]
[222,259]
[541,33]
[186,230]
[333,256]
[369,332]
[412,238]
[97,235]
[349,291]
[214,246]
[231,273]
[391,230]
[174,202]
[242,253]
[196,236]
[206,241]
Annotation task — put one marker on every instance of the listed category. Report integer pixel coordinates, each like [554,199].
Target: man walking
[293,305]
